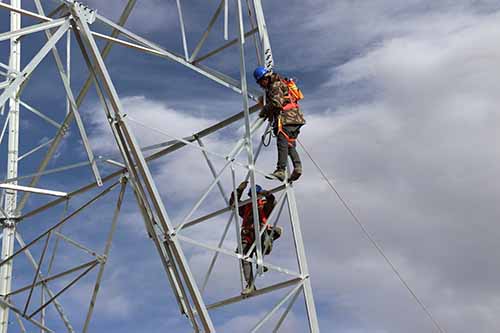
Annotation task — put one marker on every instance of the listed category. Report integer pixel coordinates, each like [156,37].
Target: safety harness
[248,224]
[294,95]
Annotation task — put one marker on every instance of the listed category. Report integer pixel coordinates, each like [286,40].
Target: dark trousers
[267,246]
[285,148]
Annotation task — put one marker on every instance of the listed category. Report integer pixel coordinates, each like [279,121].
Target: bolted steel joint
[84,12]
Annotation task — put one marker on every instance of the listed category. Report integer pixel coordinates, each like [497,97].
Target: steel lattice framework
[133,170]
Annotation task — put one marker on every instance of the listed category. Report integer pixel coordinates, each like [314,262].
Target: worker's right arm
[239,193]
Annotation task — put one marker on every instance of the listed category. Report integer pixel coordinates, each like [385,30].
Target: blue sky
[402,110]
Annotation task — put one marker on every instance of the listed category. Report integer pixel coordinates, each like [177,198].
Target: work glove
[263,114]
[242,186]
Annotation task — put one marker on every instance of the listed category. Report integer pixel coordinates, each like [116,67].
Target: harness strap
[291,141]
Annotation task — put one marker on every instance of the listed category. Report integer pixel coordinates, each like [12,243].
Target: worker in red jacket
[266,203]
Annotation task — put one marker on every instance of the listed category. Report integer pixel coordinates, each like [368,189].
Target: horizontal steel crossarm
[34,63]
[155,49]
[240,145]
[81,190]
[54,277]
[237,255]
[62,222]
[15,187]
[226,209]
[24,12]
[48,172]
[256,293]
[203,133]
[223,47]
[268,315]
[32,29]
[19,312]
[40,114]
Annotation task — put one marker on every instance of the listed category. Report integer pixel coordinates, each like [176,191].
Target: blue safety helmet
[258,189]
[260,72]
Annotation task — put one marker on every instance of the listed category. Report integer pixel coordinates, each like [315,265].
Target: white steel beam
[15,187]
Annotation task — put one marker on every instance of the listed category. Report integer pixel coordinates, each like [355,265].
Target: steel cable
[374,242]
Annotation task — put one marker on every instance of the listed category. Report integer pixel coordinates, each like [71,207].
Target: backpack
[295,93]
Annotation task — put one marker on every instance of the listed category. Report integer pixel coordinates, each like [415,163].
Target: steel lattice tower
[74,20]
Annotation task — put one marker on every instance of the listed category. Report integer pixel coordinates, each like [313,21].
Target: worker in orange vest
[283,110]
[266,203]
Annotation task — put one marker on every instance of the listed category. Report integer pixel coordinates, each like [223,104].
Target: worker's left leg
[247,269]
[293,133]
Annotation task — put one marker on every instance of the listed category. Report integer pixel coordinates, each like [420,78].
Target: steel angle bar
[4,128]
[24,12]
[19,312]
[44,280]
[62,222]
[20,323]
[226,209]
[40,114]
[252,93]
[213,172]
[280,202]
[76,244]
[226,19]
[207,31]
[107,249]
[183,29]
[268,315]
[15,187]
[216,255]
[32,29]
[236,215]
[267,55]
[248,137]
[302,260]
[34,150]
[238,256]
[72,103]
[285,313]
[48,172]
[202,198]
[126,137]
[37,273]
[258,292]
[49,292]
[75,280]
[34,62]
[223,47]
[79,100]
[150,46]
[4,84]
[203,133]
[163,144]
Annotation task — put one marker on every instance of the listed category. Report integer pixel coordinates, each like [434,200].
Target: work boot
[277,232]
[297,172]
[278,174]
[250,288]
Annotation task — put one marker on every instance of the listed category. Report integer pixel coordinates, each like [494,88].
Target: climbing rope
[373,241]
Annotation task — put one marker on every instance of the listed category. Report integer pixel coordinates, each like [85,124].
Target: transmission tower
[41,203]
